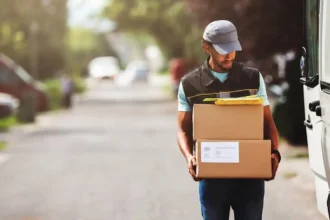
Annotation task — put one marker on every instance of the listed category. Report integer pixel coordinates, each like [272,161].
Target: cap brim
[227,48]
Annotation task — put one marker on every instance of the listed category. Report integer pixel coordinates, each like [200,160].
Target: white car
[8,105]
[138,70]
[104,68]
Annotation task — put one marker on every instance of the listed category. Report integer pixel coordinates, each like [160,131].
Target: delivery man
[221,72]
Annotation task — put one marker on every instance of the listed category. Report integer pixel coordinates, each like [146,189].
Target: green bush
[6,123]
[3,145]
[164,72]
[79,85]
[53,88]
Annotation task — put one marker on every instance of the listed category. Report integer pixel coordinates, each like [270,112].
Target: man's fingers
[193,174]
[275,163]
[274,167]
[193,161]
[192,165]
[196,179]
[274,156]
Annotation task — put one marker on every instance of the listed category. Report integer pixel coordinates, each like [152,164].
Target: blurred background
[99,76]
[128,40]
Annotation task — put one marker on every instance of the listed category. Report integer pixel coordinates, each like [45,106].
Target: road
[114,156]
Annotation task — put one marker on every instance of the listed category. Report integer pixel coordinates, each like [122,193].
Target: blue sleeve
[183,105]
[262,90]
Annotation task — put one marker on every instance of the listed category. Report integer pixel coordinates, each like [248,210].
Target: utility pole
[34,27]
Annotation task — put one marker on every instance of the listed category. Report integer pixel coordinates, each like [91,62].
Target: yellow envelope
[248,100]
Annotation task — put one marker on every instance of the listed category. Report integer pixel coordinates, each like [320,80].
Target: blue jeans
[245,196]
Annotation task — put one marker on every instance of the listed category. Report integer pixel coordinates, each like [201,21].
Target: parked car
[104,68]
[8,105]
[138,70]
[135,71]
[14,80]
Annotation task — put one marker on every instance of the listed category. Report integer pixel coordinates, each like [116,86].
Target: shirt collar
[209,78]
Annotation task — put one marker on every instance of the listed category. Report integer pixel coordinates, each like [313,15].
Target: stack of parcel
[229,139]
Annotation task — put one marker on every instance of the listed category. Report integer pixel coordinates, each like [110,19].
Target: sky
[81,11]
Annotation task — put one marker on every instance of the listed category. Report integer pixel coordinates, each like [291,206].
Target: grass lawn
[2,145]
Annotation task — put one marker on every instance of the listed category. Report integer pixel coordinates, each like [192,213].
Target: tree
[264,27]
[165,20]
[33,33]
[82,46]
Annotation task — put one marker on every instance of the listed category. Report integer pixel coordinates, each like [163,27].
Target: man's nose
[229,56]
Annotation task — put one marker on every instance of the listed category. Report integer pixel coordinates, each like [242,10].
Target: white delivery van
[315,69]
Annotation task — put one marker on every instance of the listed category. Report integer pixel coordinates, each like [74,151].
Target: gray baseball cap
[223,36]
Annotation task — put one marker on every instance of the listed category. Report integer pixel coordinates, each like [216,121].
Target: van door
[313,122]
[325,87]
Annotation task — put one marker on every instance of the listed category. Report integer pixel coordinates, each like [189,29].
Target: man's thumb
[193,161]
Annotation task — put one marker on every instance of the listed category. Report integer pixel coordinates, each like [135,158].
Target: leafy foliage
[33,32]
[175,31]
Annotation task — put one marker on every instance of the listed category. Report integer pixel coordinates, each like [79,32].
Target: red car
[14,80]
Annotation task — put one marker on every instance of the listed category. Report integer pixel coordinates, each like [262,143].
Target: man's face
[223,62]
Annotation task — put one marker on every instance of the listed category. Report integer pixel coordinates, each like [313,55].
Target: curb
[18,132]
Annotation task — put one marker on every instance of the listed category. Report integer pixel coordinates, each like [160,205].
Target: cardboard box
[228,122]
[233,159]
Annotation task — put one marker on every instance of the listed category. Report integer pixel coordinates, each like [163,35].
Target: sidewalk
[19,132]
[295,166]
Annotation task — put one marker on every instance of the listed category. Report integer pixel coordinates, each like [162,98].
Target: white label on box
[220,152]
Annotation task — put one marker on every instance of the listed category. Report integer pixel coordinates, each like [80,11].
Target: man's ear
[206,48]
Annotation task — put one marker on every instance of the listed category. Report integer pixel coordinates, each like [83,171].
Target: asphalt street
[114,156]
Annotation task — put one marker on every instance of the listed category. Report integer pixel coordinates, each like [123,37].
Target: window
[8,76]
[312,33]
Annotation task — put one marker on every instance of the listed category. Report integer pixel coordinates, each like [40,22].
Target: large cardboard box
[228,122]
[233,159]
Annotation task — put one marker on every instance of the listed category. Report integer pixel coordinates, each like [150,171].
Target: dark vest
[201,83]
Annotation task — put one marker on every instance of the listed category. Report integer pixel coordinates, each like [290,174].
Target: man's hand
[270,133]
[275,163]
[191,166]
[185,140]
